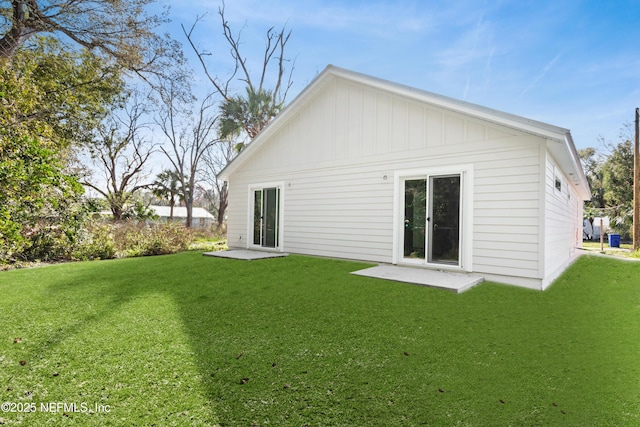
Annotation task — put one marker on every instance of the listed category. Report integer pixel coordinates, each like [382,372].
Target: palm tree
[167,187]
[249,114]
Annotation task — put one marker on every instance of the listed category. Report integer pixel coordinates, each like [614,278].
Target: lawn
[624,251]
[191,340]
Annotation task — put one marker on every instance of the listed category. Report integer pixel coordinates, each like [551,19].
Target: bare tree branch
[190,137]
[122,153]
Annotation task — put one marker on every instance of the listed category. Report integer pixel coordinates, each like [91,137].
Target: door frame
[250,216]
[466,215]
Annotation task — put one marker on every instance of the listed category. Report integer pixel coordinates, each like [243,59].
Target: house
[201,218]
[593,228]
[361,168]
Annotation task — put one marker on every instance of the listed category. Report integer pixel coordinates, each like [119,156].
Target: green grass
[624,251]
[190,340]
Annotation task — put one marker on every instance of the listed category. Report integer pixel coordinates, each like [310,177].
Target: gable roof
[559,140]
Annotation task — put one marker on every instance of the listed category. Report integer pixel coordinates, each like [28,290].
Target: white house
[361,168]
[201,218]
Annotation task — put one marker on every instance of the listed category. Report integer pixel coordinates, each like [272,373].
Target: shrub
[95,242]
[138,239]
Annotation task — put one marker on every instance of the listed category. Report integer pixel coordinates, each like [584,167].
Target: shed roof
[559,140]
[180,212]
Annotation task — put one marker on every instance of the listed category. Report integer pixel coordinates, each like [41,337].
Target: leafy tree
[54,94]
[617,181]
[50,98]
[617,175]
[119,29]
[38,201]
[592,163]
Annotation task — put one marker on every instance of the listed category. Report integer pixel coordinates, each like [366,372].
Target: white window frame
[251,203]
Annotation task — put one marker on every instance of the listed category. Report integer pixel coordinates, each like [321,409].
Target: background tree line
[609,170]
[86,87]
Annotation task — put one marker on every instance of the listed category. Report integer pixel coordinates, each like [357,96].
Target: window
[558,184]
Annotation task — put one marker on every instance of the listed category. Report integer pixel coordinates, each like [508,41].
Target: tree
[243,117]
[617,181]
[167,186]
[118,29]
[50,98]
[54,94]
[121,151]
[592,162]
[253,111]
[36,198]
[216,160]
[247,114]
[190,136]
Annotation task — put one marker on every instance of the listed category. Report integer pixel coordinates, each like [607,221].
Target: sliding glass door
[266,217]
[432,218]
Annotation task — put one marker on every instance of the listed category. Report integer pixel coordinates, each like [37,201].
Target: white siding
[333,156]
[563,221]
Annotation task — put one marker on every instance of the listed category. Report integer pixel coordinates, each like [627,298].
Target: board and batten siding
[336,158]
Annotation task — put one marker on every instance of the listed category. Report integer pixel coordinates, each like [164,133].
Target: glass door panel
[266,217]
[257,217]
[415,209]
[444,220]
[270,218]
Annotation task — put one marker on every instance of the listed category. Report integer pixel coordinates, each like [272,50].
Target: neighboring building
[201,218]
[361,168]
[592,230]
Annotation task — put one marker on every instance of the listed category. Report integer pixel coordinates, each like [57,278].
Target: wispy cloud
[497,53]
[542,74]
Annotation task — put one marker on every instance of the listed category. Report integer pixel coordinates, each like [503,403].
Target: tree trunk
[189,204]
[117,213]
[222,204]
[10,42]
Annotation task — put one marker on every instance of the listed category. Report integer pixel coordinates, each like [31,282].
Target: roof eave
[550,132]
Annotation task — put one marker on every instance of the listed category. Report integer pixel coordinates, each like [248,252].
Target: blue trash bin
[614,240]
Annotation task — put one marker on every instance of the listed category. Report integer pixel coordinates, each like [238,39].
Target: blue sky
[574,64]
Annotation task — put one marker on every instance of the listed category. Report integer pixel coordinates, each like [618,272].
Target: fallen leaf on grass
[23,362]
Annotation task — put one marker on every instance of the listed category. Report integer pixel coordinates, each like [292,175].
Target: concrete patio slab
[456,282]
[245,254]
